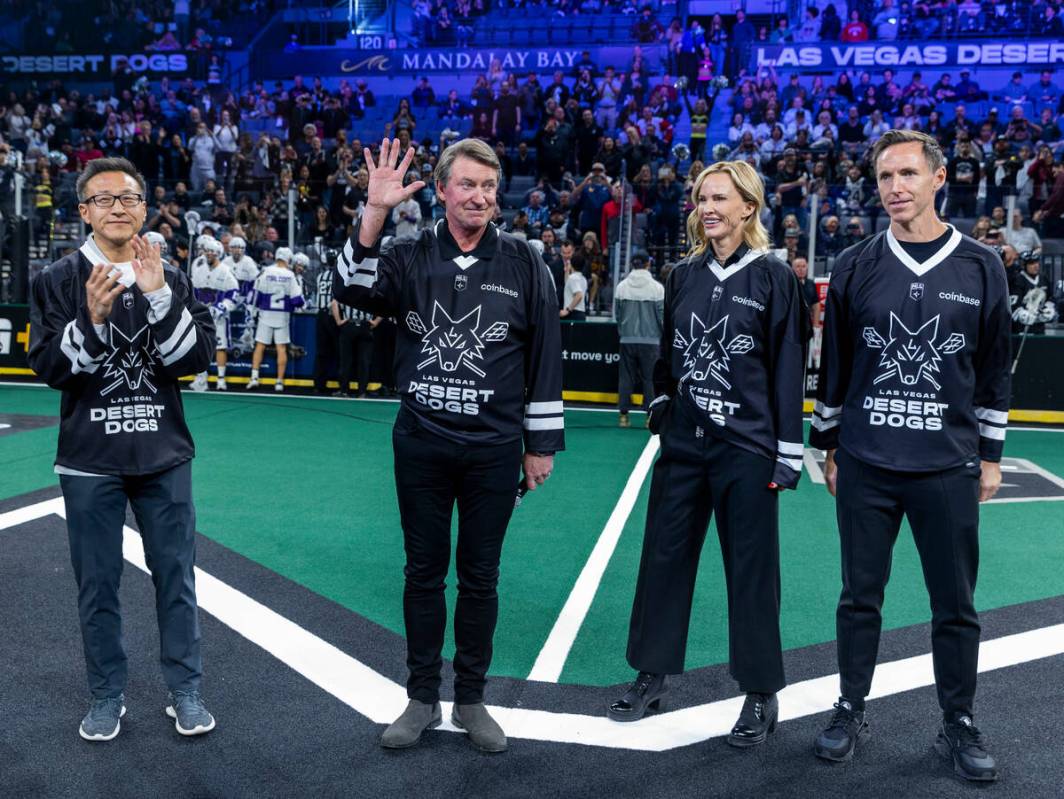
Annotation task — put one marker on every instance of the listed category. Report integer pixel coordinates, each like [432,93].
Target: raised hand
[148,265]
[386,189]
[101,289]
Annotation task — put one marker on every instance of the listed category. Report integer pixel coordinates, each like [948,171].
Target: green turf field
[304,487]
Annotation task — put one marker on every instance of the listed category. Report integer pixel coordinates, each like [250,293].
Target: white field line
[380,700]
[551,660]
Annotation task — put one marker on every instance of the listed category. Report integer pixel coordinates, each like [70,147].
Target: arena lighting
[352,16]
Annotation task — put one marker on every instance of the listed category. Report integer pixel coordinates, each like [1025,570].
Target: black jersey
[731,351]
[478,350]
[914,368]
[121,410]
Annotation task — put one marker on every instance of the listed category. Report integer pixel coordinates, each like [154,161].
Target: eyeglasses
[108,200]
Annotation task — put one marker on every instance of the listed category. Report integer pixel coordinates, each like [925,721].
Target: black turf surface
[281,736]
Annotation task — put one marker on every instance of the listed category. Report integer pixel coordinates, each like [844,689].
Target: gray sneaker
[103,721]
[190,713]
[484,732]
[406,730]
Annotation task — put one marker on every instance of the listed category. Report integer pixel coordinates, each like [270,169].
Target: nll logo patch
[717,292]
[130,361]
[916,290]
[705,355]
[460,282]
[911,355]
[453,343]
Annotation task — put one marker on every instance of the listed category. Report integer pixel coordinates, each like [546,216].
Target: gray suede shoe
[484,732]
[406,730]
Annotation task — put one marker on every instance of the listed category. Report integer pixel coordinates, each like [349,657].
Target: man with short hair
[640,312]
[912,406]
[114,328]
[574,292]
[478,362]
[202,147]
[963,174]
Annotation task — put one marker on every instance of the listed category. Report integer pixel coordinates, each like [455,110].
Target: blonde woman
[729,413]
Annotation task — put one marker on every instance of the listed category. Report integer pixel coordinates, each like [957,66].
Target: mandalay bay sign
[345,61]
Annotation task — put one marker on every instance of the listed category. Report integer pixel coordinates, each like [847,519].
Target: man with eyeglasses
[113,328]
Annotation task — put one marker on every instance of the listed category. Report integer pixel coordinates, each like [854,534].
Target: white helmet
[154,237]
[536,245]
[283,254]
[201,241]
[237,243]
[213,246]
[301,259]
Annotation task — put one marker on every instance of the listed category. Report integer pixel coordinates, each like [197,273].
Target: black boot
[959,740]
[757,720]
[838,741]
[645,693]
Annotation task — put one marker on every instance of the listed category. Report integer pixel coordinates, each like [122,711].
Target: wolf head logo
[454,343]
[130,361]
[705,355]
[912,355]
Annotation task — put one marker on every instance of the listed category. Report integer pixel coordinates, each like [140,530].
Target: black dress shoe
[644,694]
[756,721]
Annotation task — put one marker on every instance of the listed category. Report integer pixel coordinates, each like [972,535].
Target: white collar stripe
[723,273]
[920,269]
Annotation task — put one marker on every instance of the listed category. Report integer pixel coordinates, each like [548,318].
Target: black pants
[698,148]
[162,505]
[431,474]
[943,511]
[666,233]
[962,203]
[384,336]
[637,366]
[356,354]
[697,476]
[326,350]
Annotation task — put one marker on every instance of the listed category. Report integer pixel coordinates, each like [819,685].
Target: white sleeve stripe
[550,423]
[85,360]
[544,408]
[659,400]
[996,433]
[821,425]
[992,416]
[366,281]
[347,255]
[185,345]
[791,463]
[824,411]
[80,360]
[178,335]
[789,448]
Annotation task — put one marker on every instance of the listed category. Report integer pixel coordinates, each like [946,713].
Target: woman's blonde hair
[751,188]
